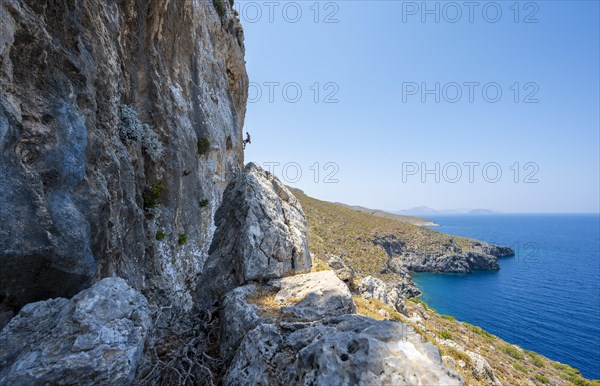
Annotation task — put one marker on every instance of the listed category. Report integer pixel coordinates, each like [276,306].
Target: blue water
[545,299]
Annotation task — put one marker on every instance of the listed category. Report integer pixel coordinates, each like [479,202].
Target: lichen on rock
[328,346]
[261,235]
[97,337]
[100,100]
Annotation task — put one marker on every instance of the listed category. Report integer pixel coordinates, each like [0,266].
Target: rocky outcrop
[328,347]
[447,257]
[261,235]
[390,294]
[478,366]
[316,295]
[482,369]
[238,316]
[301,298]
[120,127]
[97,337]
[492,249]
[342,270]
[280,328]
[443,262]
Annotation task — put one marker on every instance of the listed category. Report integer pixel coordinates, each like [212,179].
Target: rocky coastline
[138,248]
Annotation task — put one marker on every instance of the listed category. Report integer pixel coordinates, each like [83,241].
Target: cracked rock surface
[97,337]
[100,101]
[261,234]
[329,346]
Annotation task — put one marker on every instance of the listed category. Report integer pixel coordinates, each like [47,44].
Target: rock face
[328,347]
[120,123]
[482,369]
[316,294]
[261,234]
[238,317]
[390,294]
[343,271]
[448,258]
[297,330]
[97,337]
[449,262]
[120,136]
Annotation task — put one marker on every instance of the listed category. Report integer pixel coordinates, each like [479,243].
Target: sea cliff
[137,248]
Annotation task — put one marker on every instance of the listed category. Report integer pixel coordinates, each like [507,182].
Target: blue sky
[372,60]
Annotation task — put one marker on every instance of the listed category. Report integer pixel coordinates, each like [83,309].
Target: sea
[545,299]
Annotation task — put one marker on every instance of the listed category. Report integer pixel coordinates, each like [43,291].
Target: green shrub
[204,203]
[445,335]
[449,317]
[479,331]
[220,8]
[560,366]
[183,239]
[537,362]
[160,235]
[567,369]
[535,359]
[573,375]
[578,381]
[418,301]
[153,195]
[513,352]
[203,145]
[520,367]
[542,379]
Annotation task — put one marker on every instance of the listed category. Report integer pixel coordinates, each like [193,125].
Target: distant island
[481,211]
[425,210]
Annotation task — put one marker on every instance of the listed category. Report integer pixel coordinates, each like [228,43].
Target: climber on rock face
[247,140]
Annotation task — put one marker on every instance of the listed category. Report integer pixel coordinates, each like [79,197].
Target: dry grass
[511,365]
[348,233]
[319,265]
[264,298]
[373,307]
[333,229]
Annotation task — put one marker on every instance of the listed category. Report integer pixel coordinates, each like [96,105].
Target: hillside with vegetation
[457,341]
[386,247]
[342,231]
[381,213]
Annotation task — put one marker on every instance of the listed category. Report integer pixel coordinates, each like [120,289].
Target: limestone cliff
[121,158]
[263,325]
[120,127]
[261,235]
[96,338]
[280,328]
